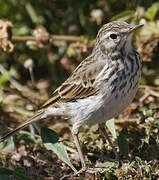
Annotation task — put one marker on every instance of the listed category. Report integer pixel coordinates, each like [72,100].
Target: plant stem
[53,38]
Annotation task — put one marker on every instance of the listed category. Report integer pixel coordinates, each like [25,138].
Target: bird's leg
[75,131]
[77,143]
[103,129]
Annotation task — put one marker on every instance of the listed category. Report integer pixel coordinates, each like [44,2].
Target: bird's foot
[94,170]
[83,170]
[117,159]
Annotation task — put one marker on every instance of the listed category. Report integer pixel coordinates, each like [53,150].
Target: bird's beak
[133,28]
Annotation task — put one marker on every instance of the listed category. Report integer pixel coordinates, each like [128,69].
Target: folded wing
[79,85]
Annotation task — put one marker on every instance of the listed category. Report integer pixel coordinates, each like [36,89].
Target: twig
[149,87]
[151,91]
[53,38]
[144,97]
[119,121]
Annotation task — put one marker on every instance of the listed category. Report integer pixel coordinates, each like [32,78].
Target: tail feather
[28,121]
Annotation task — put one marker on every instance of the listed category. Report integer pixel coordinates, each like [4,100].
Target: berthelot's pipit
[101,87]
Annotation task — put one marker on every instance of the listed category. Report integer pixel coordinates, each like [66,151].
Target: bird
[101,86]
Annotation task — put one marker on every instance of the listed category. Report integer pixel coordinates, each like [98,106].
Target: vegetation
[49,39]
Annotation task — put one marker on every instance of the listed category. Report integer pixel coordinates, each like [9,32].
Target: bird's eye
[113,36]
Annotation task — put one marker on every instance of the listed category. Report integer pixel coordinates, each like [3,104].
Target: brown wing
[79,85]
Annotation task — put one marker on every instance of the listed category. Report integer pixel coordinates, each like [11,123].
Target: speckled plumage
[101,87]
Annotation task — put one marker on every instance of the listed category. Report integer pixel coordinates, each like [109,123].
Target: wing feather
[79,85]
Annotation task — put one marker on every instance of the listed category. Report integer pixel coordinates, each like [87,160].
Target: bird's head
[114,36]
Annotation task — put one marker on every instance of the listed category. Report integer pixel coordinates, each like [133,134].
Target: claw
[87,170]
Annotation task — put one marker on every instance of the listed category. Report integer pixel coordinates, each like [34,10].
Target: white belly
[115,105]
[97,109]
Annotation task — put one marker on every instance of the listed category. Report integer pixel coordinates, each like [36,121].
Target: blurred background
[42,42]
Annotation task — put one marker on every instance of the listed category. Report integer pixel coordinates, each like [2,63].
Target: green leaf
[36,19]
[6,177]
[5,171]
[152,11]
[6,174]
[20,173]
[50,139]
[8,145]
[123,144]
[4,78]
[123,14]
[111,126]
